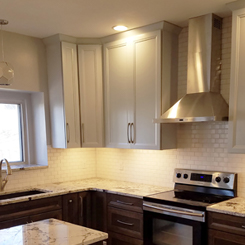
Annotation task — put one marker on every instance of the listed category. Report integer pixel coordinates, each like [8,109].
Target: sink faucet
[3,181]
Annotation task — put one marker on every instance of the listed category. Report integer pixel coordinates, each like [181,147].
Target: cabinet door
[118,72]
[236,142]
[147,97]
[84,209]
[223,238]
[63,94]
[91,95]
[99,211]
[70,208]
[71,99]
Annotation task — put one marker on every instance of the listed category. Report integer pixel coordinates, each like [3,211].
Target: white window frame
[25,113]
[33,129]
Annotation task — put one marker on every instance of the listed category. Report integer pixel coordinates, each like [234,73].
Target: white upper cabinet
[132,80]
[76,105]
[63,95]
[91,95]
[118,93]
[147,90]
[236,141]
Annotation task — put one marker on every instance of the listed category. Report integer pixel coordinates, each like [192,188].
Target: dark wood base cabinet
[224,238]
[119,239]
[30,211]
[225,229]
[125,220]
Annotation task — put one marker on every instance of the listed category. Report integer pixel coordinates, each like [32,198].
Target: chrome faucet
[3,181]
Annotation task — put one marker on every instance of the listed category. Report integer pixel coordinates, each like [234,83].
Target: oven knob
[178,175]
[185,176]
[218,179]
[226,180]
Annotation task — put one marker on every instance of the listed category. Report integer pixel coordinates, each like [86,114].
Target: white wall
[28,58]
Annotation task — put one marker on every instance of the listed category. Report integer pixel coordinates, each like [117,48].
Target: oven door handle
[174,211]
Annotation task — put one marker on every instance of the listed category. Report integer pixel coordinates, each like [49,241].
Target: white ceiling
[95,18]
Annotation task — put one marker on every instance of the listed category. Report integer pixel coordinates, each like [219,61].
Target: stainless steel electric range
[178,217]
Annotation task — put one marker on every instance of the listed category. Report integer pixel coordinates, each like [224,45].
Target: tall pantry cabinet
[134,87]
[236,134]
[75,93]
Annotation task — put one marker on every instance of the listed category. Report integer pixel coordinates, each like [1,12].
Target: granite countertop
[234,206]
[97,184]
[50,231]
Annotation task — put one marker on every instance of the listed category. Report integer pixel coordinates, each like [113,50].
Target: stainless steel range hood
[203,101]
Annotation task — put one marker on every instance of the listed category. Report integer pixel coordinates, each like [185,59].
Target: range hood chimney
[203,101]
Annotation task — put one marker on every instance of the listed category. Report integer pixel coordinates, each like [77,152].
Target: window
[22,128]
[11,141]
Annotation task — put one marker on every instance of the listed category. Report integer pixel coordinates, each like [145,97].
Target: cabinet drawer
[223,238]
[119,239]
[14,222]
[57,214]
[22,209]
[124,202]
[125,222]
[227,223]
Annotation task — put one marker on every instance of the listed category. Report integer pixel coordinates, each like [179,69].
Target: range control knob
[178,175]
[226,180]
[218,179]
[185,176]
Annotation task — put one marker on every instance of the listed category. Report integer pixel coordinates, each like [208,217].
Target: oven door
[167,225]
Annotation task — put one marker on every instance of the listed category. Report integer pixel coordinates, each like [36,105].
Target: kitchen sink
[20,194]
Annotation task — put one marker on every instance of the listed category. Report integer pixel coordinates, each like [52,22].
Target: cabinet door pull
[81,206]
[125,223]
[128,132]
[125,203]
[132,133]
[82,132]
[70,200]
[68,132]
[243,226]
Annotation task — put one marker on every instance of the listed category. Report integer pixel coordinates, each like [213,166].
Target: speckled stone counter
[234,206]
[50,231]
[111,186]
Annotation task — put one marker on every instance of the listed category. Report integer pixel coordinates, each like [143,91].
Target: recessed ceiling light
[120,28]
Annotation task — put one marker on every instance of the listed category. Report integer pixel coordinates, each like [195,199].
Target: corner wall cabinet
[236,134]
[133,90]
[75,92]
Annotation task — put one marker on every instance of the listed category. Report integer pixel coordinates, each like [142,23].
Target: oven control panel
[225,180]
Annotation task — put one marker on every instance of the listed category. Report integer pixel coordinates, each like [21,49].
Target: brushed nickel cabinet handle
[128,132]
[243,226]
[125,223]
[68,132]
[70,200]
[125,203]
[132,132]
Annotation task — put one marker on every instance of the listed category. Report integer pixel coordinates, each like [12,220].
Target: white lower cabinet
[75,92]
[133,92]
[236,140]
